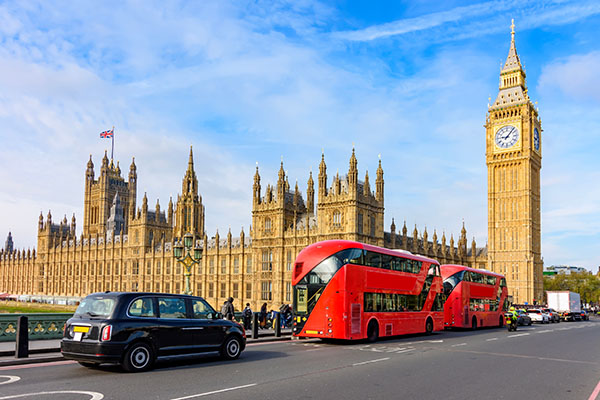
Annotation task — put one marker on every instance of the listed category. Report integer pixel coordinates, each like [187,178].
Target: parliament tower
[514,159]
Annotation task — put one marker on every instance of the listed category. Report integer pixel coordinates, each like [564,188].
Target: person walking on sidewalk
[263,315]
[247,315]
[227,309]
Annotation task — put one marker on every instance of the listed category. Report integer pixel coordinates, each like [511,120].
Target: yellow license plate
[84,329]
[312,332]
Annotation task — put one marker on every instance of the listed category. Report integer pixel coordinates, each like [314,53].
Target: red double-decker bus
[474,297]
[350,290]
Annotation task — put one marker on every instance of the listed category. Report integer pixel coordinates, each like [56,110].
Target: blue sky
[247,82]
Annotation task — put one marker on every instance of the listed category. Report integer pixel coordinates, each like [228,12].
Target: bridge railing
[41,326]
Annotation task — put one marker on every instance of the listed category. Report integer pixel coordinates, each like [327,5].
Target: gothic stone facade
[129,249]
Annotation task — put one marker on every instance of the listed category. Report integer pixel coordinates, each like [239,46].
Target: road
[554,361]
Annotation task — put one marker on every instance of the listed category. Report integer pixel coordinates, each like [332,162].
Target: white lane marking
[369,362]
[10,378]
[564,329]
[519,334]
[214,392]
[306,351]
[426,341]
[489,340]
[459,344]
[404,351]
[547,330]
[93,395]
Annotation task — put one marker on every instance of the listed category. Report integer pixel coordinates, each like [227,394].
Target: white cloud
[577,76]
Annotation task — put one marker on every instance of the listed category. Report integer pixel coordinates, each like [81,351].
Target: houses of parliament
[125,246]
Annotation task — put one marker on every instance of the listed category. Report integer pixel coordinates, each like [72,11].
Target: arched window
[337,218]
[267,224]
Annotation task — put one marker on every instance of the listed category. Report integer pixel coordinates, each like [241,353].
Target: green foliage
[14,307]
[587,285]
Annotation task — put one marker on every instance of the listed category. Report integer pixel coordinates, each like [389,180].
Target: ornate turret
[353,173]
[435,243]
[73,225]
[157,214]
[189,213]
[281,183]
[41,222]
[310,194]
[415,240]
[145,205]
[322,177]
[105,167]
[367,186]
[379,182]
[8,245]
[170,212]
[89,172]
[256,187]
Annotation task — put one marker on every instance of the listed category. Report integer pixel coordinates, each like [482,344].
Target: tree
[586,284]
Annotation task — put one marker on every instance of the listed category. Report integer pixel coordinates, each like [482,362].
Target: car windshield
[96,307]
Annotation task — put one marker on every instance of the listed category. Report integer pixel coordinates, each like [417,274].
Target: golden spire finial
[512,26]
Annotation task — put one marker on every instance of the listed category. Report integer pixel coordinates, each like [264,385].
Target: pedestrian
[247,315]
[229,314]
[263,315]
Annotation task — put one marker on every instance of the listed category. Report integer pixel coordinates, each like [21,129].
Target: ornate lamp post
[183,254]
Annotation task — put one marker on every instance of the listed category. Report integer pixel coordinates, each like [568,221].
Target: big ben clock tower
[514,159]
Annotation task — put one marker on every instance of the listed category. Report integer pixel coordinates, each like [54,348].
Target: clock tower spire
[514,160]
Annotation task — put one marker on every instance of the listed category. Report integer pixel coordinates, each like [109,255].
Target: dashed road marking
[489,340]
[459,344]
[370,362]
[519,334]
[546,330]
[214,392]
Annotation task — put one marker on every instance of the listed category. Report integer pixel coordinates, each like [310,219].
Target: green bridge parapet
[41,326]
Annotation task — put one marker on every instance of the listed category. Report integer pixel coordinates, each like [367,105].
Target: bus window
[416,266]
[386,261]
[373,259]
[351,256]
[434,269]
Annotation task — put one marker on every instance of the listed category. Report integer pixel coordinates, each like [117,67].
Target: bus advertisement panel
[474,297]
[350,290]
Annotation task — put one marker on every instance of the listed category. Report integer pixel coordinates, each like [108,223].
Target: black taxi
[133,329]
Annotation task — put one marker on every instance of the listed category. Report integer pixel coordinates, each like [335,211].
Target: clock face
[507,136]
[536,139]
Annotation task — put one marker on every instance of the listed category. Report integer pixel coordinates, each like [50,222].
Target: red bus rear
[474,297]
[350,290]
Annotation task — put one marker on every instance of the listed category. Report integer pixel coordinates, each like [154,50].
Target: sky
[251,83]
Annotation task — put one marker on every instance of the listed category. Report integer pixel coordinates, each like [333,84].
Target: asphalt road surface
[553,361]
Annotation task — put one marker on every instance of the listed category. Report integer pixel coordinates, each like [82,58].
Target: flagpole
[112,138]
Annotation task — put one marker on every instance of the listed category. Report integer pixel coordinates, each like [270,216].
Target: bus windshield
[451,282]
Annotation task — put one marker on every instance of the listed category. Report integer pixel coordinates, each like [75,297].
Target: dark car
[523,318]
[134,329]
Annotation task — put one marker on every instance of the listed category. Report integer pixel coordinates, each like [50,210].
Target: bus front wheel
[373,331]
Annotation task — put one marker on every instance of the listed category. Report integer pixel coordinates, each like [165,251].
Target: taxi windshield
[96,307]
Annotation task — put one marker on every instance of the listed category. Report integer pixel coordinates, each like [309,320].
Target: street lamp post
[188,256]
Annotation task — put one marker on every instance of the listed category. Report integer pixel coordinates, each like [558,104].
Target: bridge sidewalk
[49,350]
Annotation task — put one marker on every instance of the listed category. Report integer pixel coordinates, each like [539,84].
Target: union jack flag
[107,134]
